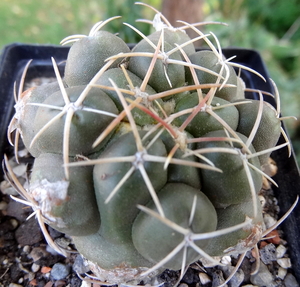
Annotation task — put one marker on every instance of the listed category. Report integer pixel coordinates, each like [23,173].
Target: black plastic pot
[14,58]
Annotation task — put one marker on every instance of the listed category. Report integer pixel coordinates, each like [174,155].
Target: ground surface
[26,259]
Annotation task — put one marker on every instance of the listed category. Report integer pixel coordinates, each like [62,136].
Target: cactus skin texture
[148,158]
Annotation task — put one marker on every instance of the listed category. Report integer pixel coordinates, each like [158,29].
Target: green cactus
[150,158]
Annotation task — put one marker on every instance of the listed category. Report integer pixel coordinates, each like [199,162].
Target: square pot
[14,58]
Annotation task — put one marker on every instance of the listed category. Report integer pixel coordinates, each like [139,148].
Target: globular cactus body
[158,80]
[120,80]
[87,57]
[269,123]
[26,112]
[203,122]
[84,126]
[210,61]
[232,186]
[239,241]
[61,200]
[174,37]
[147,231]
[147,158]
[181,173]
[108,175]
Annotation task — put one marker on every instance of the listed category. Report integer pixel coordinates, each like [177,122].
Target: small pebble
[3,205]
[79,265]
[273,237]
[189,276]
[237,278]
[38,253]
[14,223]
[290,281]
[226,260]
[280,251]
[5,262]
[263,277]
[6,188]
[20,169]
[28,233]
[14,285]
[63,242]
[59,271]
[281,273]
[269,220]
[33,282]
[204,278]
[30,276]
[60,283]
[218,278]
[268,253]
[16,210]
[22,153]
[26,249]
[35,267]
[284,262]
[45,269]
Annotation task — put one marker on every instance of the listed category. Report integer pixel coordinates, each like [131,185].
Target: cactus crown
[149,158]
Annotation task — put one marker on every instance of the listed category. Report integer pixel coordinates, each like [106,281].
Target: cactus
[148,158]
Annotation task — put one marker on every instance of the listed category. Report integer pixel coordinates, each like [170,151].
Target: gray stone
[268,253]
[246,266]
[263,277]
[237,278]
[6,188]
[218,279]
[269,220]
[79,265]
[59,271]
[290,281]
[28,233]
[37,253]
[20,169]
[17,210]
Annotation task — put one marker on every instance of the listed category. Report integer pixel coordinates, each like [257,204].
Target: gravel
[60,271]
[268,253]
[26,260]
